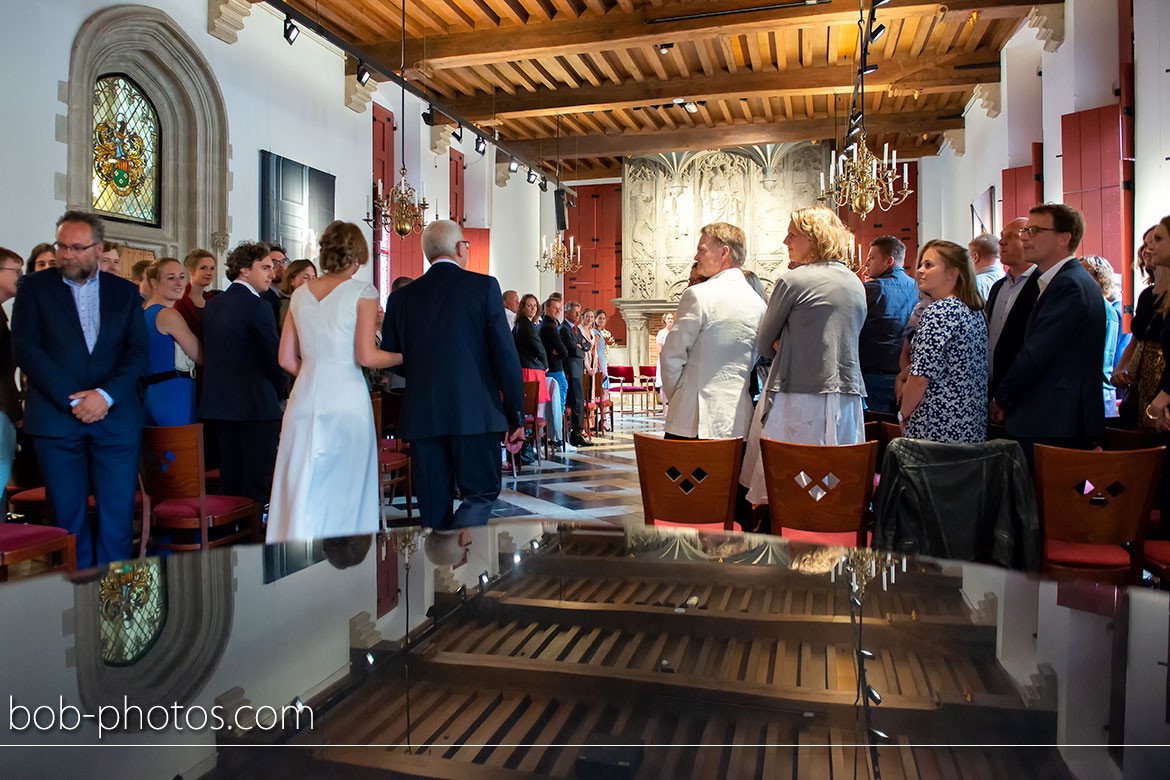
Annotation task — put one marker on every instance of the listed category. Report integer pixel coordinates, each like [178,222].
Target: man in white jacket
[708,357]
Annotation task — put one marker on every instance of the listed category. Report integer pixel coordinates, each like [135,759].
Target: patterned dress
[950,349]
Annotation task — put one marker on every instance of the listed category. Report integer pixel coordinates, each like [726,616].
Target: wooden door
[383,170]
[457,192]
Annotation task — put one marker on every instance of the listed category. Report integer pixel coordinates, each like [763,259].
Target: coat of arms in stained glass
[125,151]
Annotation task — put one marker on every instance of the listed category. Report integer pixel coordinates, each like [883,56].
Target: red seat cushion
[17,536]
[30,496]
[392,459]
[212,474]
[528,419]
[709,527]
[842,538]
[1158,552]
[627,388]
[182,508]
[1078,553]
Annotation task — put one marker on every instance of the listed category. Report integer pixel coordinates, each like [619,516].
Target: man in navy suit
[242,380]
[463,384]
[80,338]
[1051,393]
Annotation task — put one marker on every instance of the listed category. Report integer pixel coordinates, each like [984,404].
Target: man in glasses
[272,294]
[1009,303]
[1051,394]
[83,409]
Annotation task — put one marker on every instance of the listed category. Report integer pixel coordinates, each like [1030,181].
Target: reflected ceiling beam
[675,23]
[695,138]
[951,73]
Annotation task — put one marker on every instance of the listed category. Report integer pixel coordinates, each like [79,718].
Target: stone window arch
[149,48]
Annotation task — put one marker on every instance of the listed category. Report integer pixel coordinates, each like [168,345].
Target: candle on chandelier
[873,167]
[367,205]
[885,154]
[544,243]
[832,169]
[905,174]
[822,181]
[894,160]
[570,245]
[379,188]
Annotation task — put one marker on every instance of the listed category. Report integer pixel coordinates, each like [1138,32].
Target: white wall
[289,100]
[1151,24]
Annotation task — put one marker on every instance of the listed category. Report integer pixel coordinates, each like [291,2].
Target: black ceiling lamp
[291,31]
[363,74]
[513,165]
[532,175]
[480,144]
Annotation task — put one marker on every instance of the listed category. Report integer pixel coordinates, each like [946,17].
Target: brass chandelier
[560,258]
[856,178]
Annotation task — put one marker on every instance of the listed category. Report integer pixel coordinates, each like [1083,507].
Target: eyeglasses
[73,247]
[466,243]
[1032,230]
[19,271]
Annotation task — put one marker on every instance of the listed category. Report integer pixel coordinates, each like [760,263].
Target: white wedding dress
[326,479]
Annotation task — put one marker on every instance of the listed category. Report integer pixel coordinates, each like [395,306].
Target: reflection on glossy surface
[706,655]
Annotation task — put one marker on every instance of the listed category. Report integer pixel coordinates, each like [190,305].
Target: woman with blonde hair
[811,327]
[326,481]
[1157,411]
[200,265]
[945,396]
[174,349]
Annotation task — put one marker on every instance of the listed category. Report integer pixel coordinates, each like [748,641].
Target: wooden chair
[819,494]
[689,483]
[604,403]
[646,377]
[393,460]
[172,471]
[1091,510]
[879,417]
[1120,440]
[22,542]
[621,380]
[534,425]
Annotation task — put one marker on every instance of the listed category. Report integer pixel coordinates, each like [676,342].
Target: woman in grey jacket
[814,389]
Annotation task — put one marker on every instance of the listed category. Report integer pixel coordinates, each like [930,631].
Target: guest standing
[11,267]
[511,307]
[1142,362]
[554,351]
[660,340]
[530,349]
[200,265]
[708,359]
[110,258]
[40,258]
[811,328]
[984,251]
[242,380]
[1052,392]
[1158,410]
[1010,302]
[80,338]
[890,297]
[1102,273]
[174,349]
[273,294]
[945,398]
[604,337]
[574,363]
[299,272]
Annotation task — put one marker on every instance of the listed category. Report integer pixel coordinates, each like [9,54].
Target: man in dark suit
[242,380]
[575,348]
[80,338]
[273,294]
[1051,394]
[1010,302]
[463,384]
[554,350]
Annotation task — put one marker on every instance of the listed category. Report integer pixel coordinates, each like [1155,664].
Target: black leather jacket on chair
[972,502]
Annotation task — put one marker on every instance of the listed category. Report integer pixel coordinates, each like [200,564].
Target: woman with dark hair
[1157,412]
[533,358]
[1142,362]
[326,481]
[41,257]
[298,272]
[945,397]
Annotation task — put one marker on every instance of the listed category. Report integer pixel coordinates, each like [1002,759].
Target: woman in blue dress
[945,398]
[174,349]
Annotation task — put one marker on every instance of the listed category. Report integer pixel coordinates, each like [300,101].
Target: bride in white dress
[326,479]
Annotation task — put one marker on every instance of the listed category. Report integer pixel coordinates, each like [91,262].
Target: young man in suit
[242,380]
[272,294]
[80,338]
[463,385]
[574,363]
[1051,394]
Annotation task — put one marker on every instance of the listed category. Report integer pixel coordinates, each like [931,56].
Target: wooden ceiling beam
[939,74]
[675,23]
[696,138]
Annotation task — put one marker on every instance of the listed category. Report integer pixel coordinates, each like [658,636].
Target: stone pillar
[637,337]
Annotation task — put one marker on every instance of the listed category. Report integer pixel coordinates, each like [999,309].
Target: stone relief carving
[667,198]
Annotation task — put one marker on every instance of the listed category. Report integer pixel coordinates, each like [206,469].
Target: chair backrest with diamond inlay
[171,462]
[531,398]
[1095,497]
[688,481]
[823,489]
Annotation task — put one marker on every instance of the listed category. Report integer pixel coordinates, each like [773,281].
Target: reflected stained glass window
[125,151]
[133,610]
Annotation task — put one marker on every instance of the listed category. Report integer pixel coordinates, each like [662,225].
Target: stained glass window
[133,610]
[125,151]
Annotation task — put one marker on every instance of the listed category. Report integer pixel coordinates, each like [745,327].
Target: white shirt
[511,317]
[1046,277]
[986,277]
[247,287]
[1004,302]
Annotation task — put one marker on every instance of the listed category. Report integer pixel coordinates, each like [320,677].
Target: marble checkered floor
[598,483]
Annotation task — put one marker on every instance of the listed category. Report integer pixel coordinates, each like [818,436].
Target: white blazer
[708,358]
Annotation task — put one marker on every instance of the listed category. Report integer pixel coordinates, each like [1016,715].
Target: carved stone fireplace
[667,198]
